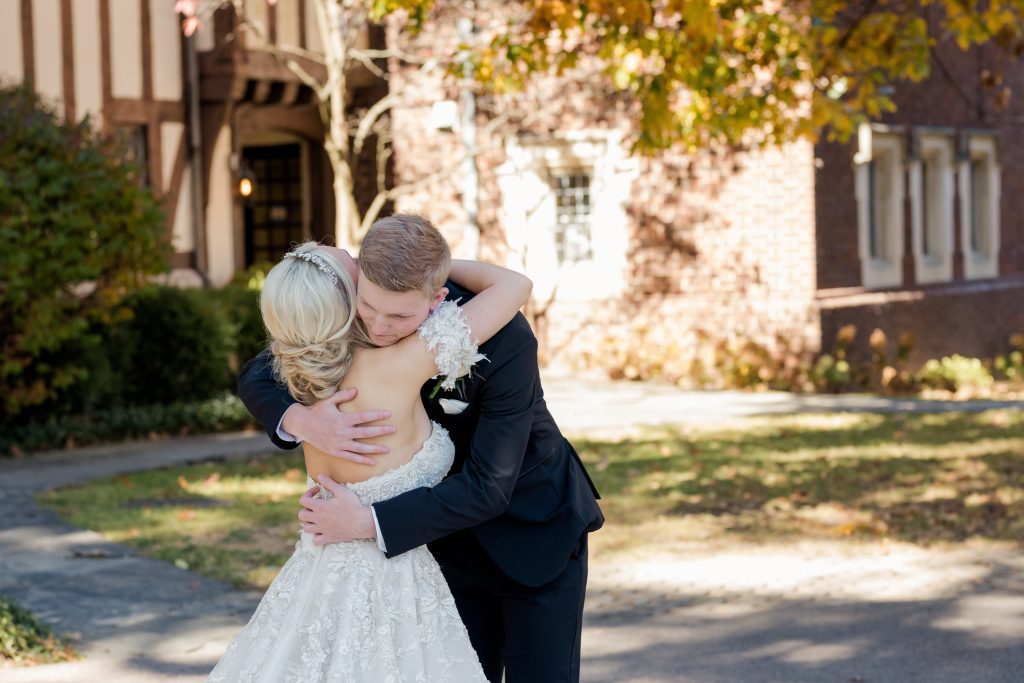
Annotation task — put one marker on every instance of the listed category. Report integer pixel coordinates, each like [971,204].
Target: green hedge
[224,413]
[166,365]
[175,346]
[239,302]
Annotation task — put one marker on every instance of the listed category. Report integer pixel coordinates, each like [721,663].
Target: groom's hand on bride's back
[325,426]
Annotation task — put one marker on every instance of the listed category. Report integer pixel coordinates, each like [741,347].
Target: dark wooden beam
[67,59]
[28,51]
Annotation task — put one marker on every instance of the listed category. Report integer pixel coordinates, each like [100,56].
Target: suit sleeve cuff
[380,536]
[281,433]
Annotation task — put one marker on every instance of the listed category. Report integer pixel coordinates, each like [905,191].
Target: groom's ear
[441,294]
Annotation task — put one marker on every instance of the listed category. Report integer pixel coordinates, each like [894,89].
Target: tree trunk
[332,110]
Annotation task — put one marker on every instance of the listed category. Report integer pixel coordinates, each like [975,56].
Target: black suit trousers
[531,634]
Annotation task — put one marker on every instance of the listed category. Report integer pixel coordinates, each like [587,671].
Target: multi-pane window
[931,203]
[936,175]
[273,212]
[931,193]
[979,199]
[978,193]
[877,201]
[880,208]
[573,239]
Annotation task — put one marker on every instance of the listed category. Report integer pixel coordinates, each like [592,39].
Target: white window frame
[981,260]
[588,173]
[883,149]
[530,209]
[931,207]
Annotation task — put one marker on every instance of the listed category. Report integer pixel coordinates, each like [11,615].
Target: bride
[344,612]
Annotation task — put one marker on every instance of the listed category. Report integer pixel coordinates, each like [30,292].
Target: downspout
[470,179]
[195,150]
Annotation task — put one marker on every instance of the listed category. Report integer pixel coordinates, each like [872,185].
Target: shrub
[23,639]
[239,302]
[174,346]
[1010,366]
[79,233]
[223,413]
[953,373]
[637,353]
[161,368]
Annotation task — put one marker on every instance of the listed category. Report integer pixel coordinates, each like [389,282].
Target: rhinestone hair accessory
[320,264]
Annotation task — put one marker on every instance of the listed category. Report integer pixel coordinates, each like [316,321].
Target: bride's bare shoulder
[380,361]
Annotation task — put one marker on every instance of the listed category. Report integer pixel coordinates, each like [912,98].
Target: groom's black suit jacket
[517,484]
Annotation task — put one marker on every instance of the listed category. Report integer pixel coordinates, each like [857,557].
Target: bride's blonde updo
[308,308]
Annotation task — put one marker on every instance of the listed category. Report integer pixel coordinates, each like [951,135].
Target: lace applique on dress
[447,335]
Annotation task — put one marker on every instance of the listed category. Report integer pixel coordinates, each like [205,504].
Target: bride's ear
[441,294]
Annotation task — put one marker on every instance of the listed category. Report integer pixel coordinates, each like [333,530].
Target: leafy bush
[784,365]
[1010,366]
[173,346]
[25,640]
[161,368]
[239,302]
[224,413]
[955,372]
[79,233]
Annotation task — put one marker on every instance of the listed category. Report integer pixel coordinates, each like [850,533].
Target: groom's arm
[481,491]
[264,397]
[323,424]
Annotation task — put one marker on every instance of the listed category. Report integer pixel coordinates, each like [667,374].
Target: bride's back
[378,388]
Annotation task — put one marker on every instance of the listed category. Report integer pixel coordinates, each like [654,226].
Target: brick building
[920,221]
[914,226]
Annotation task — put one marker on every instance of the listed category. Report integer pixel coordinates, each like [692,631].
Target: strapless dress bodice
[426,468]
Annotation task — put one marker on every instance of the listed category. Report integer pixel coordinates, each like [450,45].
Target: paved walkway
[810,612]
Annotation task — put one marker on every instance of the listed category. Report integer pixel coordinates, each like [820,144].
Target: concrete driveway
[836,612]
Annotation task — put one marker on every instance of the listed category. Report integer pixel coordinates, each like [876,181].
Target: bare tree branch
[297,51]
[368,119]
[284,58]
[284,55]
[368,63]
[361,54]
[383,155]
[395,192]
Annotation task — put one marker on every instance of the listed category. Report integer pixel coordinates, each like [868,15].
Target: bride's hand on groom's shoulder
[326,426]
[334,520]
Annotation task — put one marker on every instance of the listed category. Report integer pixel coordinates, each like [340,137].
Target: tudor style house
[915,225]
[210,120]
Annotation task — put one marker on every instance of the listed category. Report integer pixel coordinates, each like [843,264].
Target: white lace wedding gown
[344,612]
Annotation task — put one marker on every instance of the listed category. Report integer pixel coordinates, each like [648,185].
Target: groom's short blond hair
[404,252]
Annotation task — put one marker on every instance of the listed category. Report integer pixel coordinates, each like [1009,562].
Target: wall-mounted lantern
[247,181]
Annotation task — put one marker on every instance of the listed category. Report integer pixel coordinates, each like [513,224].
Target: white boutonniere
[450,406]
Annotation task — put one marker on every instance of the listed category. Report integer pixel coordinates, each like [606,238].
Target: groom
[509,524]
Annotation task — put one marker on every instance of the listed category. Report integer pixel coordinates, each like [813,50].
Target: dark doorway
[273,212]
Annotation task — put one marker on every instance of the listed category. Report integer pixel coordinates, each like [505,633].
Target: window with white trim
[573,239]
[880,190]
[931,207]
[563,204]
[979,173]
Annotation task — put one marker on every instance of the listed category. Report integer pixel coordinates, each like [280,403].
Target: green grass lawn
[921,478]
